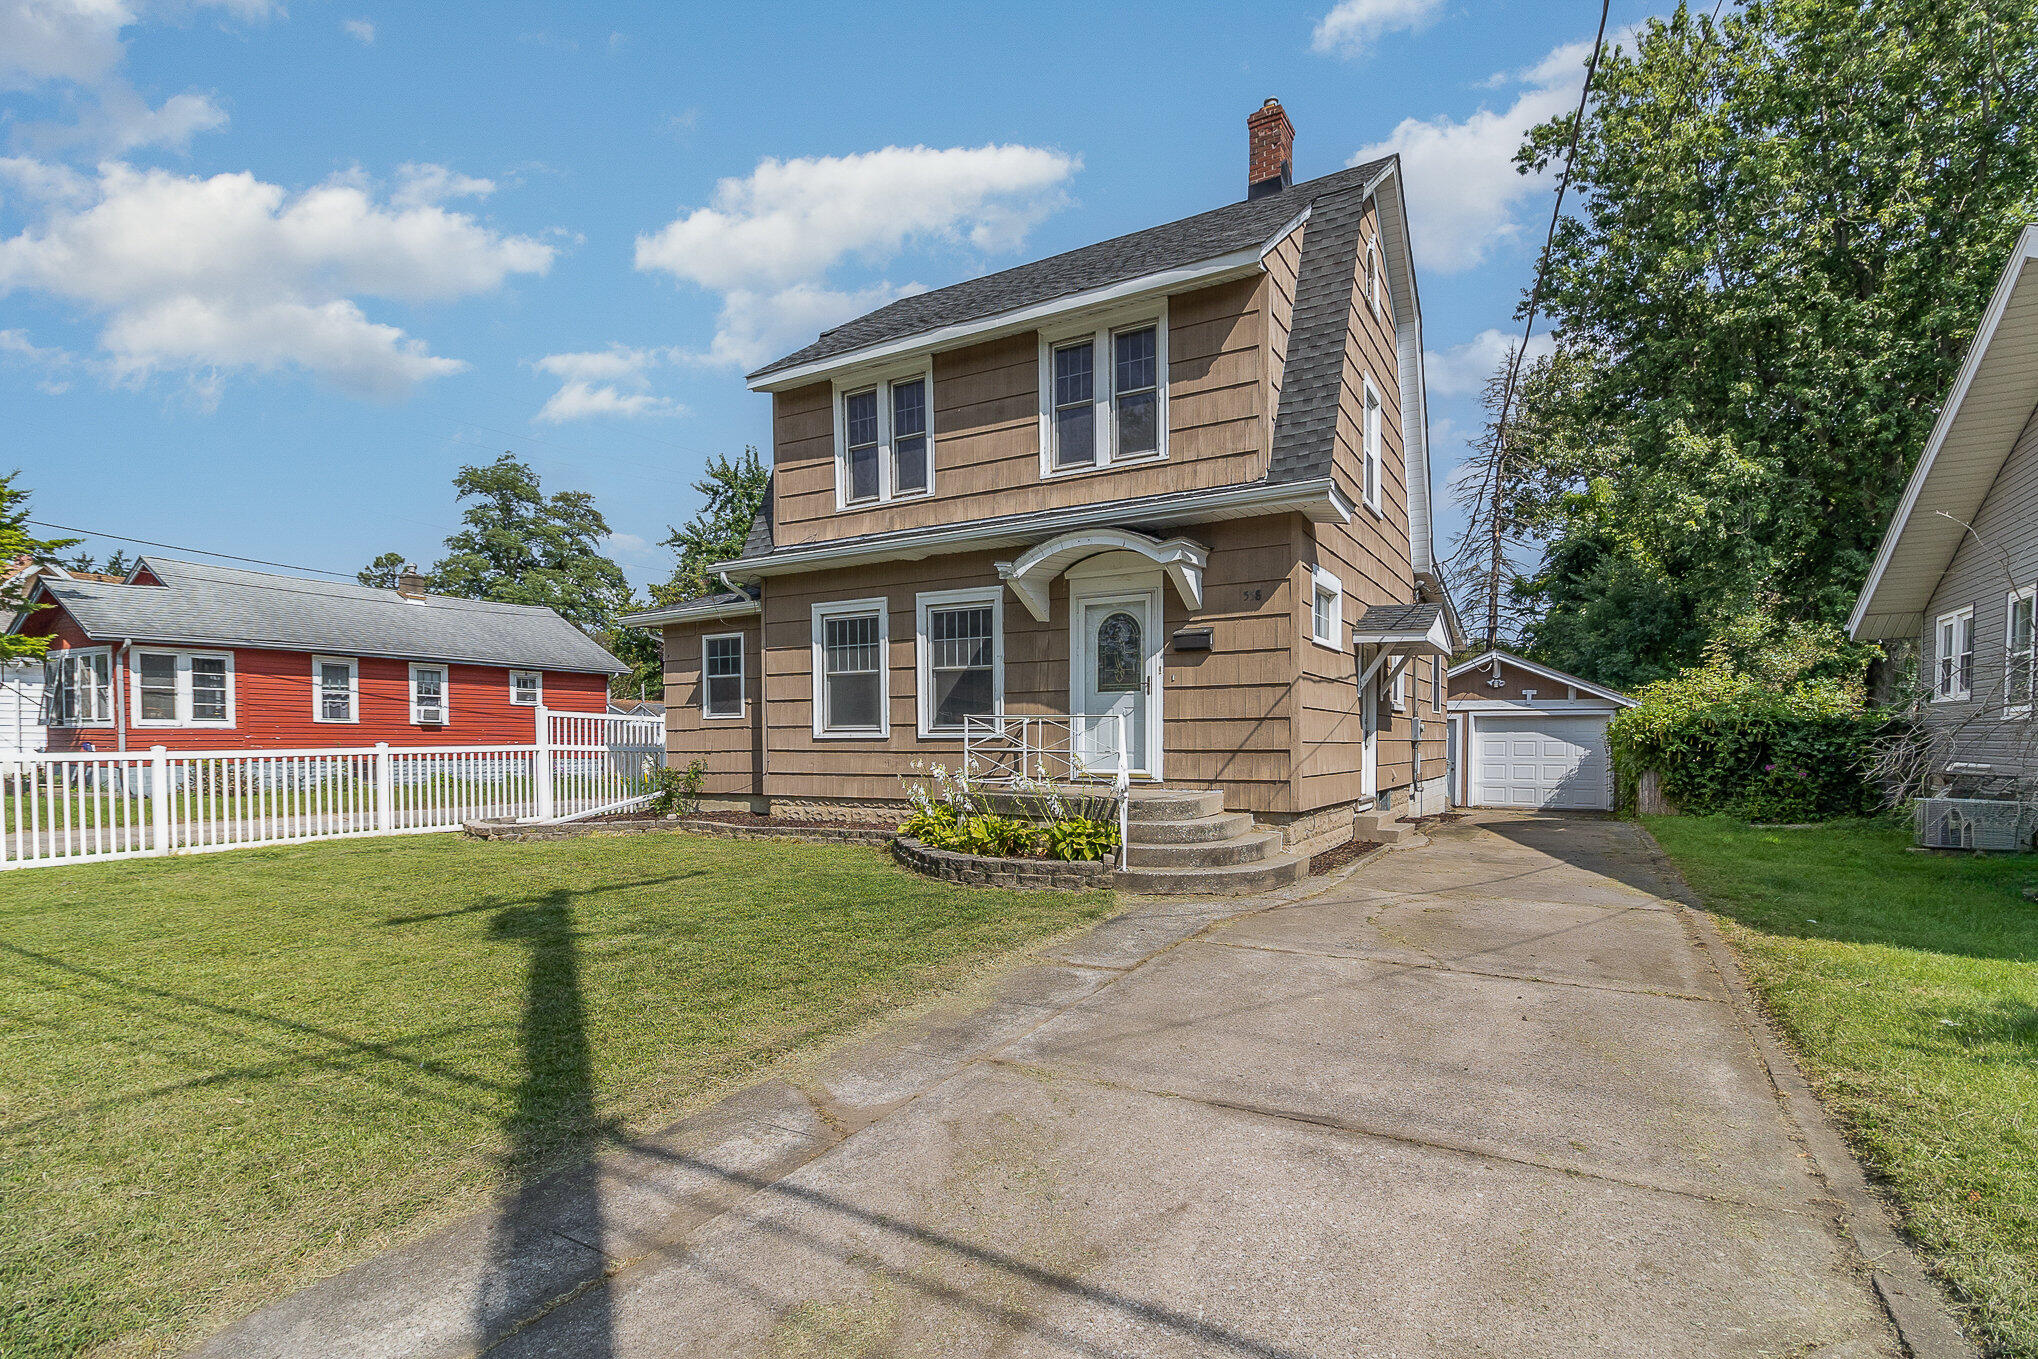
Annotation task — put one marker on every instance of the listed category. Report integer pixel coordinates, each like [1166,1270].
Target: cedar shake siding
[731,748]
[1999,557]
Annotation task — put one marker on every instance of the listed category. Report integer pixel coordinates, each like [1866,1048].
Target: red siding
[272,692]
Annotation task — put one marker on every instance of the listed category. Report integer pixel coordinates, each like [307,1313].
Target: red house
[214,658]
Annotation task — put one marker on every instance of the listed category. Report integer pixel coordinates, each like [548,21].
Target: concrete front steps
[1181,842]
[1386,828]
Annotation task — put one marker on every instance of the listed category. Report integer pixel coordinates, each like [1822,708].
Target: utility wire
[1528,330]
[173,547]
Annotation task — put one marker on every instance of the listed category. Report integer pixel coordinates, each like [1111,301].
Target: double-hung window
[1953,656]
[722,675]
[1370,440]
[335,689]
[849,643]
[430,704]
[1104,396]
[527,688]
[961,647]
[182,688]
[1326,609]
[2020,657]
[78,689]
[885,433]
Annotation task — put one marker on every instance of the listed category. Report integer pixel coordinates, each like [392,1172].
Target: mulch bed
[1330,860]
[734,818]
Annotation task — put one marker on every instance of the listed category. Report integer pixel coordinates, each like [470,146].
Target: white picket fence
[87,807]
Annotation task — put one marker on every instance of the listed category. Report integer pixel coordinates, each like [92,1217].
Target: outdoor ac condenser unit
[1974,823]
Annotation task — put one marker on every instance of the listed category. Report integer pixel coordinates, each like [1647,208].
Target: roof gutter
[694,611]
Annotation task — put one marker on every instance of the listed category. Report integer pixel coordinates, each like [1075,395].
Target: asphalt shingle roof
[1173,245]
[1384,618]
[1312,380]
[224,606]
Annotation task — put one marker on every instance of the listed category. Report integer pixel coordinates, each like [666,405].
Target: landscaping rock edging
[1050,875]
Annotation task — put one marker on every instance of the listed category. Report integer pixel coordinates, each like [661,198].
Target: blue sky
[269,273]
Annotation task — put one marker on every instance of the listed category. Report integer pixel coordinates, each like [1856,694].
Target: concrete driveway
[1486,1096]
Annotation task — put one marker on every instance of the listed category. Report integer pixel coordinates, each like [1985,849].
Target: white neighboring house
[1536,737]
[21,682]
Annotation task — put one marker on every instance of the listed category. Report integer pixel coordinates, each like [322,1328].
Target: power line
[1528,330]
[173,547]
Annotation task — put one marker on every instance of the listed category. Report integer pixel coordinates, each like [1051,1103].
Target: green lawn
[224,1075]
[1909,984]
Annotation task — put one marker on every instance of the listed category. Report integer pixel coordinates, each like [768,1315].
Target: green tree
[521,546]
[18,544]
[732,494]
[1788,223]
[381,573]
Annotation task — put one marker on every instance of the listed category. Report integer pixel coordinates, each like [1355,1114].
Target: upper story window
[1953,656]
[884,440]
[78,689]
[2020,657]
[183,689]
[1103,394]
[1370,439]
[1373,275]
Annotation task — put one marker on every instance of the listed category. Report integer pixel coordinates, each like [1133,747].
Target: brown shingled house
[1177,481]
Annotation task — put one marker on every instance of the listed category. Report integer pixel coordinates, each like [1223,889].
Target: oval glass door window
[1118,654]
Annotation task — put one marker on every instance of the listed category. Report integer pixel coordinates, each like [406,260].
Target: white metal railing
[1074,748]
[90,806]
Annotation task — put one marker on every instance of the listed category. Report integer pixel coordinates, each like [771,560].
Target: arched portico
[1031,574]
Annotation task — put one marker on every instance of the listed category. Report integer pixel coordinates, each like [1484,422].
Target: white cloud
[426,185]
[80,43]
[614,381]
[1352,26]
[53,365]
[767,242]
[205,276]
[1464,195]
[1462,370]
[361,29]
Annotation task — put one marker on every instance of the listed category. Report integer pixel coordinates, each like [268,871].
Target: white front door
[1113,663]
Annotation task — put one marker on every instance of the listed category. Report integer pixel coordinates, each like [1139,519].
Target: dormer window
[1104,394]
[883,438]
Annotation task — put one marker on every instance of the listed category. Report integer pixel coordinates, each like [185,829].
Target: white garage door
[1531,761]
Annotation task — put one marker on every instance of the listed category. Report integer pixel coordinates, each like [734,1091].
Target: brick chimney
[409,584]
[1270,140]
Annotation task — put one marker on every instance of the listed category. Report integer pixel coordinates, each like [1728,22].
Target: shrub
[995,837]
[675,792]
[1724,742]
[1079,839]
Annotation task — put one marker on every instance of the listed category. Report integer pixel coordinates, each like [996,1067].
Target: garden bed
[1031,874]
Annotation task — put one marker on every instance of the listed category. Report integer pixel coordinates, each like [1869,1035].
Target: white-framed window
[1436,683]
[78,688]
[527,688]
[1104,394]
[1326,609]
[722,675]
[181,688]
[884,438]
[335,689]
[431,699]
[852,698]
[1953,656]
[1397,688]
[1369,439]
[1373,274]
[2020,651]
[959,645]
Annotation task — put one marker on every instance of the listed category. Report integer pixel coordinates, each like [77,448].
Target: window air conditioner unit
[1975,823]
[431,717]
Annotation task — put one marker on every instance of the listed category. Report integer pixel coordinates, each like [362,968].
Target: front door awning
[1035,569]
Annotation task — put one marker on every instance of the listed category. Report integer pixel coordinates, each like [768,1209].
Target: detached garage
[1528,737]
